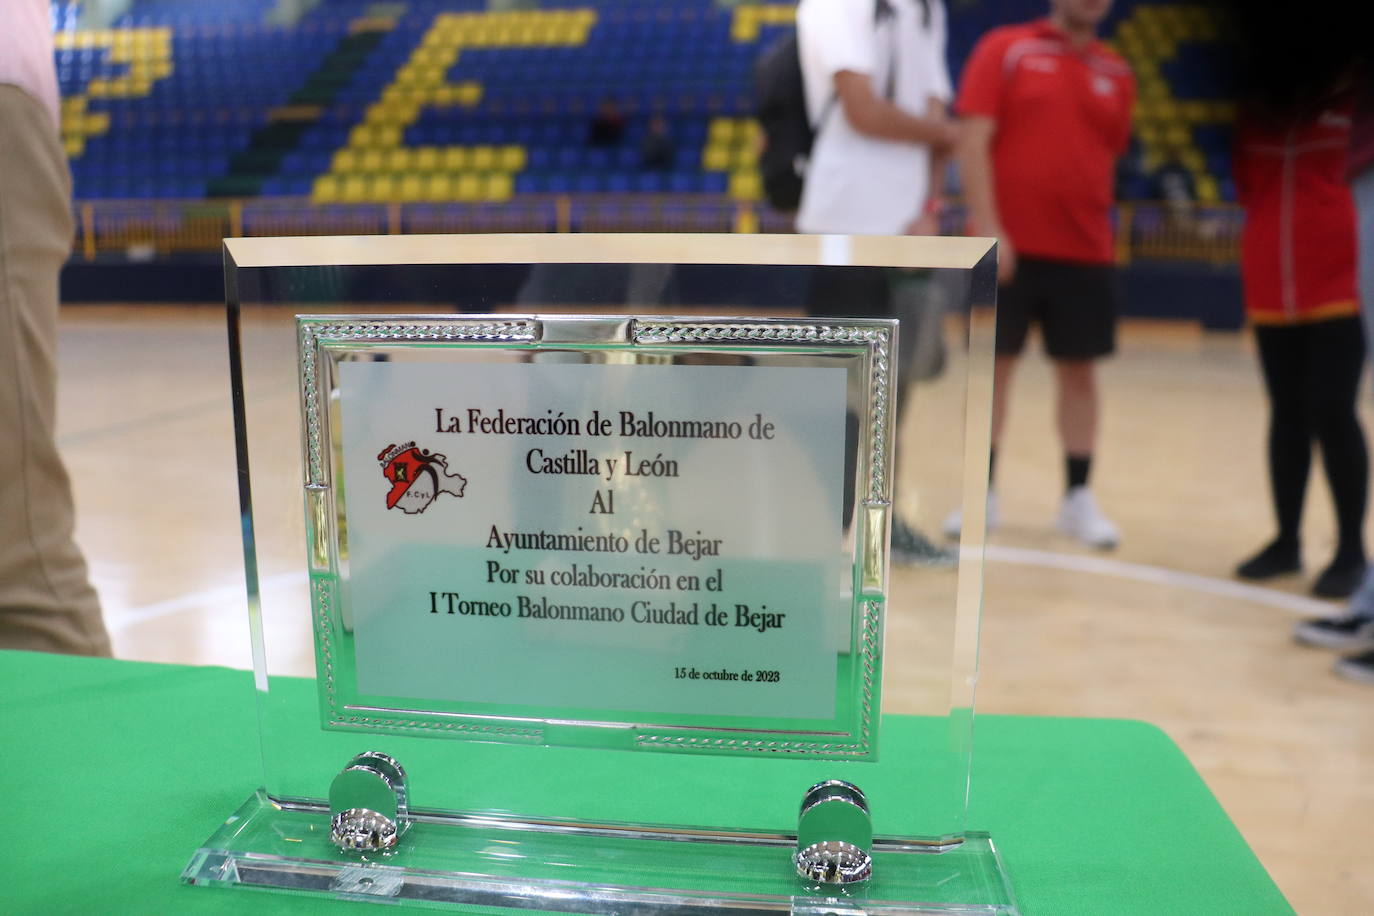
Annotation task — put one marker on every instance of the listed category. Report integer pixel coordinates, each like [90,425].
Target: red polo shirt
[1063,117]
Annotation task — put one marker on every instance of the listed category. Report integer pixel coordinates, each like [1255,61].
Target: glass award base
[550,866]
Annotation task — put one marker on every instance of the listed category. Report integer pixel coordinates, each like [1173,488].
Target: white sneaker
[1079,517]
[954,524]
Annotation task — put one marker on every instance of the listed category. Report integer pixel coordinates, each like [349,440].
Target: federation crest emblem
[417,477]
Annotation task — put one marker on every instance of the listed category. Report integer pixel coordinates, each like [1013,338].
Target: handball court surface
[1155,630]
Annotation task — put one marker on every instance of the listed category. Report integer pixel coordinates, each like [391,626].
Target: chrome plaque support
[834,834]
[367,801]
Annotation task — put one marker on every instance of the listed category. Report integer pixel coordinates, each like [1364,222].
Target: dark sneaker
[1358,668]
[1275,560]
[1352,631]
[911,548]
[1339,580]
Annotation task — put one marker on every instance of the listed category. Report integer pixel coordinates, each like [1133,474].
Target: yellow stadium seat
[439,188]
[1197,112]
[1145,68]
[426,159]
[360,136]
[499,187]
[722,131]
[1207,191]
[745,185]
[469,94]
[511,159]
[469,187]
[744,157]
[483,158]
[345,160]
[326,190]
[398,160]
[1155,89]
[381,189]
[371,160]
[1166,110]
[354,189]
[412,188]
[456,158]
[715,158]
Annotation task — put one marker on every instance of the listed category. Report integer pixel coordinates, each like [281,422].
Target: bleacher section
[1178,116]
[434,102]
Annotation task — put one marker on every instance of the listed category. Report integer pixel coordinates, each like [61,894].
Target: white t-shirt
[26,53]
[857,184]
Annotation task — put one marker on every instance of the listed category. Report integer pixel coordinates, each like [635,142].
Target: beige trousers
[46,601]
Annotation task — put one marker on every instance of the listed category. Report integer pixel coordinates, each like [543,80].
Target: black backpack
[787,132]
[780,98]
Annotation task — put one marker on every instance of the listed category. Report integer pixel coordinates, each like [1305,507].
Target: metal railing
[1145,231]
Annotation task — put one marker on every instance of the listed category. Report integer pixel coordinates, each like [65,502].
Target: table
[117,771]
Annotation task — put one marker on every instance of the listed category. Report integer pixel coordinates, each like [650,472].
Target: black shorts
[1075,305]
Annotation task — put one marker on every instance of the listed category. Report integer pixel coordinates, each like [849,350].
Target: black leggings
[1312,372]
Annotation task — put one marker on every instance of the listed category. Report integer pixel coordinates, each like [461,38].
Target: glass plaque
[599,553]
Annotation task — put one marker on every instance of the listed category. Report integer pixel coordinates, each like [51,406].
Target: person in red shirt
[1298,268]
[1046,112]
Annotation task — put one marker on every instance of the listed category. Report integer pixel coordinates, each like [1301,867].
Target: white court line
[997,553]
[231,595]
[1158,575]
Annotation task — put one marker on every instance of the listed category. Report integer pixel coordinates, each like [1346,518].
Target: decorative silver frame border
[874,338]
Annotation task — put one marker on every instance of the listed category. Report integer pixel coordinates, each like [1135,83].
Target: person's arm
[980,196]
[874,116]
[927,222]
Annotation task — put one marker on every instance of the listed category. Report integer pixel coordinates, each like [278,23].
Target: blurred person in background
[1355,628]
[46,602]
[877,90]
[1294,78]
[656,150]
[1298,272]
[607,127]
[1315,73]
[1046,112]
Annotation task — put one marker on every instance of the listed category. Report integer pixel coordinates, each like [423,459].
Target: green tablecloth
[115,772]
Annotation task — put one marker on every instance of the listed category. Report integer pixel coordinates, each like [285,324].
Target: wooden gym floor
[1156,630]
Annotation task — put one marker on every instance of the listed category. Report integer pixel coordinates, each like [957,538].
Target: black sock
[1077,468]
[992,465]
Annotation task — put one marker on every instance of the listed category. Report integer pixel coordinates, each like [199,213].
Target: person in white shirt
[877,92]
[46,600]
